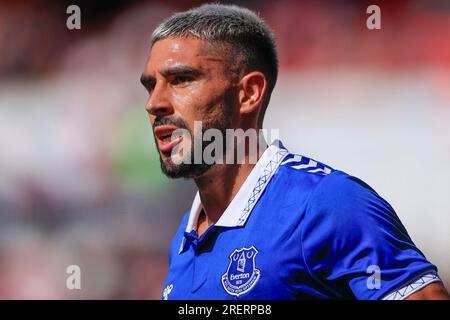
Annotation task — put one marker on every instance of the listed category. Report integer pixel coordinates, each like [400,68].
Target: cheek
[192,102]
[185,99]
[202,102]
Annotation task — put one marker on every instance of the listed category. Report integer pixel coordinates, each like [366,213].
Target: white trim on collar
[238,211]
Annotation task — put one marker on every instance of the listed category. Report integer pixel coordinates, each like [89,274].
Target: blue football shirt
[297,229]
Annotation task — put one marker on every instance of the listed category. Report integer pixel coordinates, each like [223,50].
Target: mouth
[163,134]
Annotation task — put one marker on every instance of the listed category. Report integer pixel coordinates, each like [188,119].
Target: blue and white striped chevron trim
[416,285]
[305,164]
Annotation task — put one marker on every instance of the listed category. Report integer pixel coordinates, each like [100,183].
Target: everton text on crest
[241,275]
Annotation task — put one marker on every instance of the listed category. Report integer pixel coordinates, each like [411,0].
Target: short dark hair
[251,39]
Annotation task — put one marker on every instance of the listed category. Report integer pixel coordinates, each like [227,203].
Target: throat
[202,223]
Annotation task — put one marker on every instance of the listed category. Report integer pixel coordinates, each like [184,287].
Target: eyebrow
[149,81]
[181,70]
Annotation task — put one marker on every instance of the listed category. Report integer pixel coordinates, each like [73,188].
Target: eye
[148,85]
[150,88]
[181,80]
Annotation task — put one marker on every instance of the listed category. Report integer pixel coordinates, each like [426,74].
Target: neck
[218,186]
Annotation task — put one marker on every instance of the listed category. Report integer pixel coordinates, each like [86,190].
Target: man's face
[187,82]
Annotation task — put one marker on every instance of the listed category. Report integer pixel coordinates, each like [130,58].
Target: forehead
[174,51]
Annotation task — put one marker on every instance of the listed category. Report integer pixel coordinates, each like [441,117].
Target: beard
[188,168]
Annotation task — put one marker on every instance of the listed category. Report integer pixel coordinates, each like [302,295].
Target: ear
[253,86]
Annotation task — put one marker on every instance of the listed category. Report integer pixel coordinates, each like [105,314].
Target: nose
[158,103]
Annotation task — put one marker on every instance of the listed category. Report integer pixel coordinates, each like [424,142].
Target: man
[285,227]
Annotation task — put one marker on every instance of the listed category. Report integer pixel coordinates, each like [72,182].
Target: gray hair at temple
[246,41]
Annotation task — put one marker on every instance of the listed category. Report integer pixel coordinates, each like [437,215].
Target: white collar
[238,211]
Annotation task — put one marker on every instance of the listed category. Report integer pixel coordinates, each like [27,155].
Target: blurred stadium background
[79,174]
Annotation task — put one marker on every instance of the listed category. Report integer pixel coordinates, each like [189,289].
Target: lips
[163,134]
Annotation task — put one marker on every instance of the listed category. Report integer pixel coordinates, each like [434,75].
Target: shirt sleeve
[354,244]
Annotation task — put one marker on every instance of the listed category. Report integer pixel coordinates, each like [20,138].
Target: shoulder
[341,190]
[344,205]
[349,228]
[331,196]
[348,200]
[298,176]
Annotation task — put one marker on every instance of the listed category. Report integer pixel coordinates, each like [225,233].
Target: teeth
[165,137]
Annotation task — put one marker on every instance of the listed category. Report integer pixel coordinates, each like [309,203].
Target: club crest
[241,274]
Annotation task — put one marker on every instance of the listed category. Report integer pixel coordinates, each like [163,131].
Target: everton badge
[241,274]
